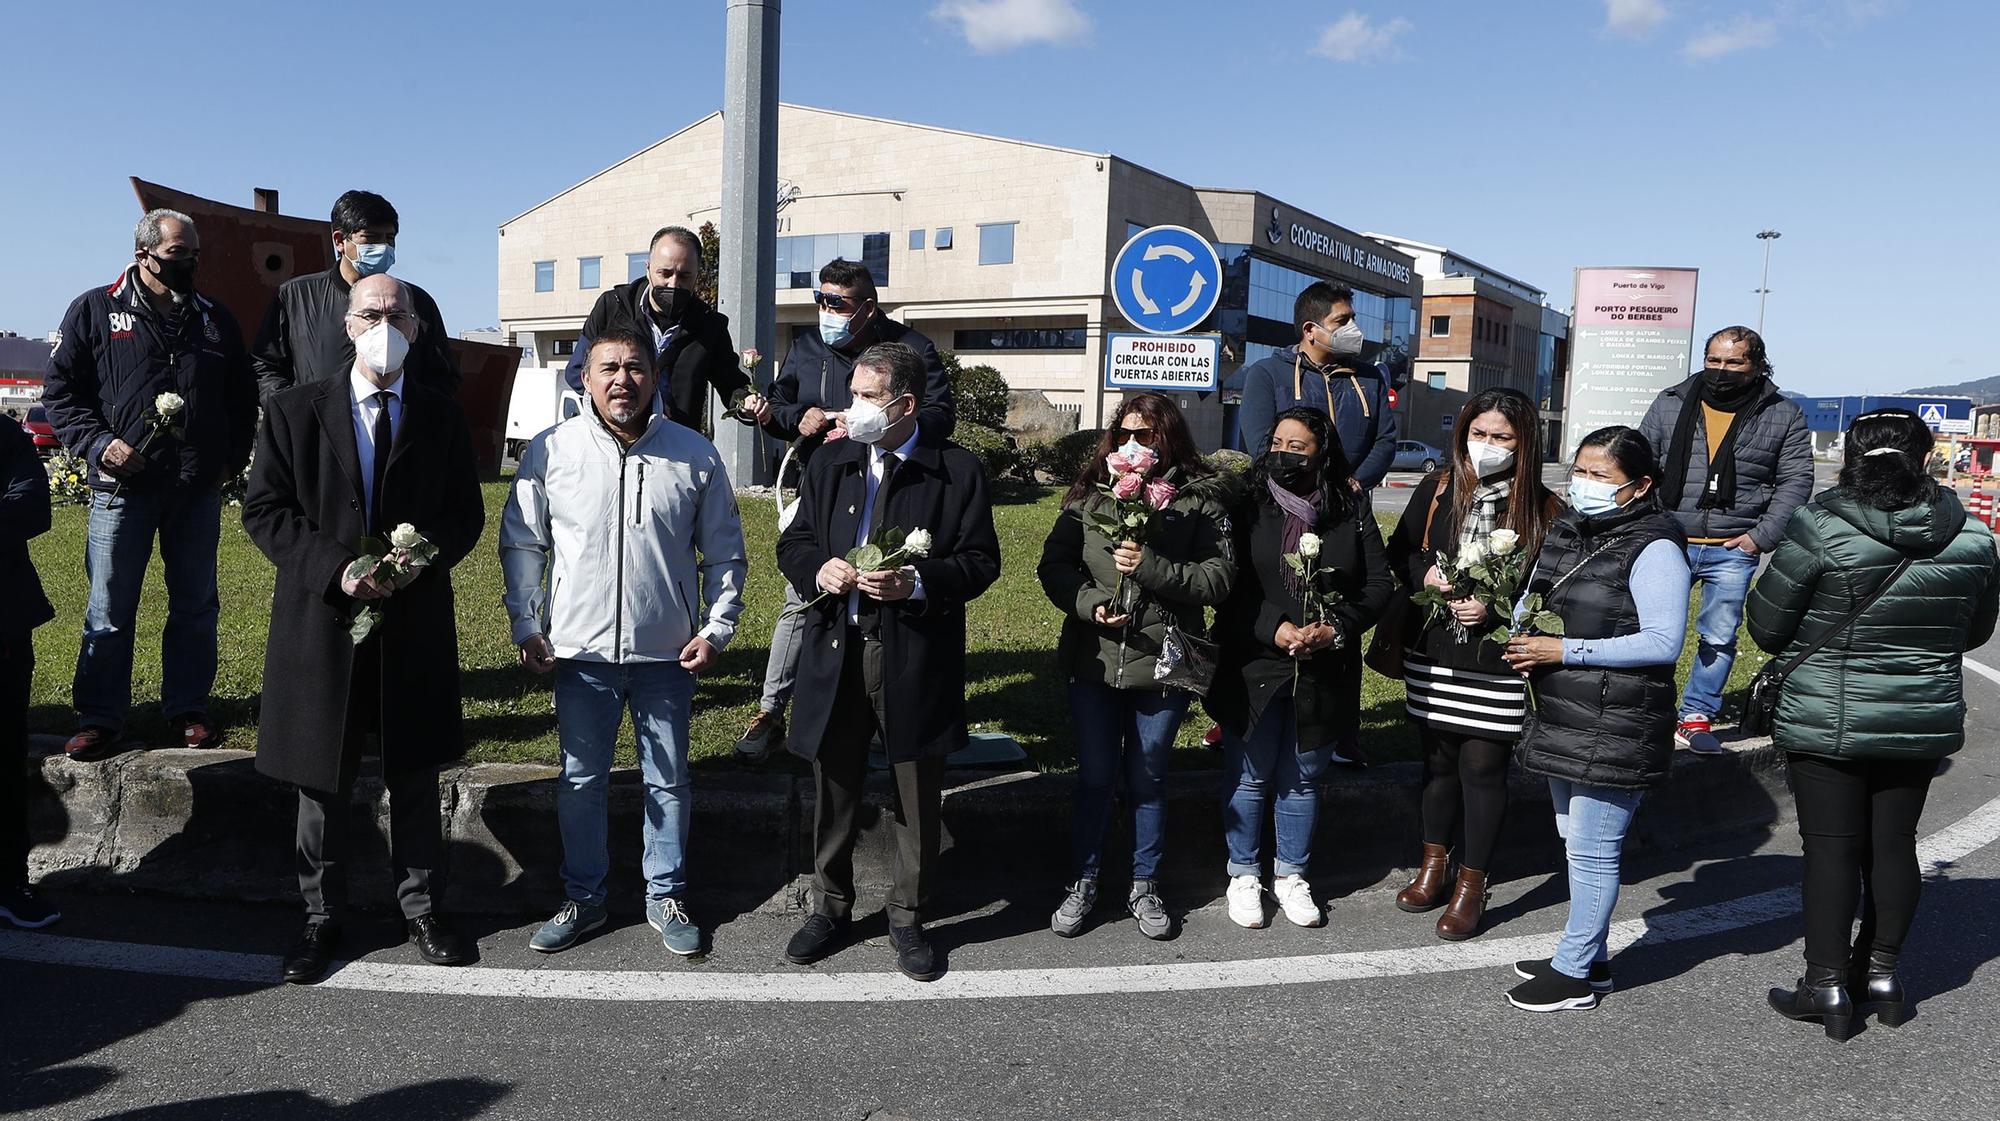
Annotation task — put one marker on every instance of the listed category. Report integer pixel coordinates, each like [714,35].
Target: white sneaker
[1295,896]
[1246,902]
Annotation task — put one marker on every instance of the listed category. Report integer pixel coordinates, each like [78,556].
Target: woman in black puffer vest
[1614,569]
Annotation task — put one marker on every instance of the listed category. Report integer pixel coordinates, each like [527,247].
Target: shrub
[1062,459]
[1228,461]
[995,453]
[979,393]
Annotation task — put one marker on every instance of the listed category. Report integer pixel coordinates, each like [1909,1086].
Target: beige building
[996,249]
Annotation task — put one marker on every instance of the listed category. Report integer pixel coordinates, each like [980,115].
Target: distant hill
[1983,391]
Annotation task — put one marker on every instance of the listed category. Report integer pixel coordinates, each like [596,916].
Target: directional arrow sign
[1166,280]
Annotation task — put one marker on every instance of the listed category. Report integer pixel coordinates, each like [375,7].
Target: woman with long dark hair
[1614,569]
[1467,704]
[1119,600]
[1311,579]
[1874,701]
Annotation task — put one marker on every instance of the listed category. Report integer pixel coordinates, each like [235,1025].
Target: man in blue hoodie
[1324,371]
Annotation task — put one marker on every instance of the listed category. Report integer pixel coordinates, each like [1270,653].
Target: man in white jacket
[615,518]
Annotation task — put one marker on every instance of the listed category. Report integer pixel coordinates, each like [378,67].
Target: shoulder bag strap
[1795,661]
[1437,494]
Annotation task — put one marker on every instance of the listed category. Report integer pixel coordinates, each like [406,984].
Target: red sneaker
[1212,737]
[1690,727]
[91,744]
[197,732]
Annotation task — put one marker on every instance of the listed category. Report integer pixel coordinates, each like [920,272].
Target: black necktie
[384,441]
[868,611]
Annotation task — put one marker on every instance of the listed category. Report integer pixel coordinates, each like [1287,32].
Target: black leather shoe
[1821,997]
[435,941]
[308,958]
[820,936]
[1874,986]
[914,955]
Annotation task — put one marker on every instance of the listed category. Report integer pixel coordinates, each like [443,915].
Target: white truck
[541,401]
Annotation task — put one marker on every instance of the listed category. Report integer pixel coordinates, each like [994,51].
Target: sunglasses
[1143,435]
[831,302]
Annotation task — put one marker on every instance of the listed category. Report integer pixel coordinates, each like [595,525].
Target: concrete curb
[204,824]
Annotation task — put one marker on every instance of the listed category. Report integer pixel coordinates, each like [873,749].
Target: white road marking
[1939,850]
[1983,670]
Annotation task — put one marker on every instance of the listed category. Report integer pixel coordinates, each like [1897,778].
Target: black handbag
[1186,661]
[1760,708]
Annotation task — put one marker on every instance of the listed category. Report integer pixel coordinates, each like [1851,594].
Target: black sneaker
[22,907]
[820,936]
[1553,992]
[1599,979]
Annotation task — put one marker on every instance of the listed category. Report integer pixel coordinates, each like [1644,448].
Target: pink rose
[1128,487]
[1159,492]
[1144,460]
[1117,464]
[833,434]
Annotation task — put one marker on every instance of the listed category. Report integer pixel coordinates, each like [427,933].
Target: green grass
[1014,684]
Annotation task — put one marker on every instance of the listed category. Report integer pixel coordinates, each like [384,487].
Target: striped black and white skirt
[1466,702]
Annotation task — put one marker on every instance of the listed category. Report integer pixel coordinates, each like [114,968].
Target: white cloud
[994,26]
[1743,34]
[1634,19]
[1358,38]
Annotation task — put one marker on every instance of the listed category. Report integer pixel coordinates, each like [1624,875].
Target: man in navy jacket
[1324,371]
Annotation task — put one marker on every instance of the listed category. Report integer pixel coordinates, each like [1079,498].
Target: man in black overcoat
[337,461]
[884,651]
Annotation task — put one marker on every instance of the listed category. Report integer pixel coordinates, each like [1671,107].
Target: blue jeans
[1136,727]
[591,700]
[1724,575]
[1592,821]
[1268,766]
[120,544]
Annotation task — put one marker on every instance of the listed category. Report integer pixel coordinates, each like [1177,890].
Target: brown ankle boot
[1427,892]
[1468,905]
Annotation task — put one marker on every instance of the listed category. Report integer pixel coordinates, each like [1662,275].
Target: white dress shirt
[875,453]
[362,406]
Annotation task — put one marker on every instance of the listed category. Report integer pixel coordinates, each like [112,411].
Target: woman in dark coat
[1467,704]
[1288,678]
[1864,720]
[1125,719]
[1614,569]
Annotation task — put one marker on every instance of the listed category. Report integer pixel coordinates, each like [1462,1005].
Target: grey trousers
[840,775]
[416,845]
[781,669]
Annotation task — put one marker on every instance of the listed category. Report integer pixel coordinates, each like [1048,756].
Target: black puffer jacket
[1774,464]
[698,358]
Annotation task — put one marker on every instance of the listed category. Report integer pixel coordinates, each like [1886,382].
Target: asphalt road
[1370,1016]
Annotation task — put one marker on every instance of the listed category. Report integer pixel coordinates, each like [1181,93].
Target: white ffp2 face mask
[1487,459]
[868,422]
[382,348]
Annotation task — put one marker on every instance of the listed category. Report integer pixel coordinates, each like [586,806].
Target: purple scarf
[1301,515]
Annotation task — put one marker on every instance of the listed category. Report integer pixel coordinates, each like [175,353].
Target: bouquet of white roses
[395,563]
[163,415]
[1488,571]
[885,549]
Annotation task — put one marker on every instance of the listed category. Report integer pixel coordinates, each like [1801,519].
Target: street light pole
[1764,288]
[744,280]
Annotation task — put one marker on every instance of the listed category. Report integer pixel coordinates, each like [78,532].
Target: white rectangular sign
[1183,362]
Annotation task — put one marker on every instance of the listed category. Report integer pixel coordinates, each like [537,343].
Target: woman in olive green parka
[1865,720]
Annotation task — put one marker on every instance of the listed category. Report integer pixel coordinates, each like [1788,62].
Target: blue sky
[1532,137]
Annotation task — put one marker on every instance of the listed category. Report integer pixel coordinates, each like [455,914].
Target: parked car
[1415,455]
[42,432]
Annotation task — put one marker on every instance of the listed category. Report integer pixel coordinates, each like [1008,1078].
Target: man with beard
[1736,461]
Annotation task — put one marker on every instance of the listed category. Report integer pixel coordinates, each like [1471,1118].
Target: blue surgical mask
[835,330]
[1131,448]
[1593,498]
[373,257]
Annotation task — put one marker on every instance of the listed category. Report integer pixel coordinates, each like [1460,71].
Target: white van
[541,401]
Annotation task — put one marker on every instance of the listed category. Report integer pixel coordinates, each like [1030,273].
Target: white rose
[167,404]
[405,536]
[1471,554]
[1503,541]
[1309,545]
[918,543]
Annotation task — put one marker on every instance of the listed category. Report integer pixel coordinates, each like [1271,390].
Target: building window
[800,257]
[635,265]
[562,348]
[1019,338]
[1435,379]
[996,243]
[545,276]
[943,238]
[586,271]
[1440,326]
[916,239]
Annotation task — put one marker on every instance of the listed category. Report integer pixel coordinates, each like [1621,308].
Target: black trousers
[326,817]
[1858,819]
[840,774]
[17,673]
[1465,781]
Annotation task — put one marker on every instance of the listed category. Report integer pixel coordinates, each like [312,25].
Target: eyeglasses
[832,302]
[372,317]
[1143,435]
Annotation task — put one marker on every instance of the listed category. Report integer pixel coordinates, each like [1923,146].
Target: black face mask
[175,273]
[669,303]
[1292,470]
[1729,388]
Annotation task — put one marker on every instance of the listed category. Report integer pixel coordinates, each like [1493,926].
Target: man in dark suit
[884,651]
[338,461]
